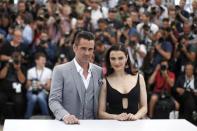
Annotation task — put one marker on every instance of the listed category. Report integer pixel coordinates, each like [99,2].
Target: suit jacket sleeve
[55,97]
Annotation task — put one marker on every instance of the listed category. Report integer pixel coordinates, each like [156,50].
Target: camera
[146,27]
[43,42]
[153,11]
[57,18]
[180,46]
[168,29]
[163,67]
[34,85]
[132,43]
[15,60]
[61,57]
[177,8]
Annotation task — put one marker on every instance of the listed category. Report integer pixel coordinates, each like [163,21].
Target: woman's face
[118,60]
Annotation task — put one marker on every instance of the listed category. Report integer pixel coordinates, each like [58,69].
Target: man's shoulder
[65,66]
[96,67]
[31,69]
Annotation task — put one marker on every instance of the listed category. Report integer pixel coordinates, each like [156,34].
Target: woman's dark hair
[119,47]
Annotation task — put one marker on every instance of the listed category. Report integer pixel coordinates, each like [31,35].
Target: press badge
[17,87]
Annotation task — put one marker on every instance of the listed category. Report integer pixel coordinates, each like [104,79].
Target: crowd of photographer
[36,35]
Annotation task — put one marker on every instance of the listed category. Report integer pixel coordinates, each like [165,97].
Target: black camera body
[163,67]
[35,89]
[146,27]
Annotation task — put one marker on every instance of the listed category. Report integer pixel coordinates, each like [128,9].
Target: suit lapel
[96,89]
[77,81]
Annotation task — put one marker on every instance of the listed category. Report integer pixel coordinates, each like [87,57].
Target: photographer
[163,81]
[146,28]
[186,93]
[158,7]
[181,14]
[38,85]
[15,45]
[65,46]
[45,46]
[12,78]
[105,34]
[136,51]
[162,48]
[61,59]
[186,51]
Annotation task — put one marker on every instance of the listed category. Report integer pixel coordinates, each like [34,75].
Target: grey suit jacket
[65,94]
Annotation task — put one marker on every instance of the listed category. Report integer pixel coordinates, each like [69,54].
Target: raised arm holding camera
[12,78]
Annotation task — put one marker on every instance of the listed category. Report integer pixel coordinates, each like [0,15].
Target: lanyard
[39,77]
[187,83]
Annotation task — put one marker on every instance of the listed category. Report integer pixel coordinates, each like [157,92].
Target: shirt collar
[79,68]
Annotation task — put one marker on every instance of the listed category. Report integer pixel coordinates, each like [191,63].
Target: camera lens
[163,67]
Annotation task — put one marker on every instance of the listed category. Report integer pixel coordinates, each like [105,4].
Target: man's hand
[71,119]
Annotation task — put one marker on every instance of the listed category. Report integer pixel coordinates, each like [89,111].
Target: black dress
[114,99]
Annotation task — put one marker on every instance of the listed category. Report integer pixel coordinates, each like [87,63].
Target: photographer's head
[189,69]
[182,3]
[102,23]
[166,24]
[163,65]
[17,38]
[158,35]
[84,47]
[133,37]
[194,5]
[95,4]
[186,28]
[158,2]
[44,38]
[40,60]
[145,17]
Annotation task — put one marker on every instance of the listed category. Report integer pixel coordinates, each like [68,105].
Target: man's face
[102,26]
[17,37]
[112,15]
[186,29]
[189,70]
[41,61]
[21,7]
[84,50]
[166,24]
[182,3]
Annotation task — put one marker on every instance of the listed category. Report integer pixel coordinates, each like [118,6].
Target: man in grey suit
[75,85]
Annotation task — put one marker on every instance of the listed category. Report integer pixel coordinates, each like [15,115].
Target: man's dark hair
[39,54]
[166,20]
[85,35]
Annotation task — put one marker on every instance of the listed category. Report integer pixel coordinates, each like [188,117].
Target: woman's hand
[122,117]
[132,117]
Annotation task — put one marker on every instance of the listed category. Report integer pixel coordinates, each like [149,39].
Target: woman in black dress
[123,94]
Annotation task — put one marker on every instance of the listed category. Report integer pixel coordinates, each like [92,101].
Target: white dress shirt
[86,81]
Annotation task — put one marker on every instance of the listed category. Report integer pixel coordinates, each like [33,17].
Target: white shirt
[42,75]
[189,83]
[86,81]
[28,34]
[97,14]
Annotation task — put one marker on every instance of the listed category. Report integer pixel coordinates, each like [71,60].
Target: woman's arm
[143,100]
